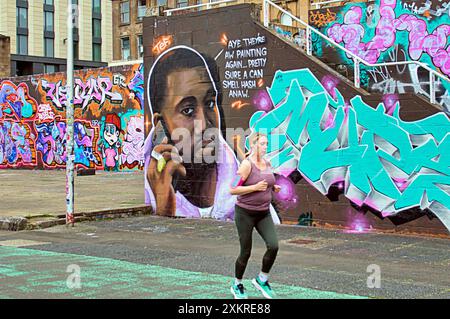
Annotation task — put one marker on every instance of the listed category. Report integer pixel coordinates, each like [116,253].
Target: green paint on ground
[26,273]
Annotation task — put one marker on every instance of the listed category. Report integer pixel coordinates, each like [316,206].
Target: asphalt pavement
[158,257]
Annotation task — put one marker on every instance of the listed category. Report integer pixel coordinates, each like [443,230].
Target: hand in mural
[160,180]
[276,188]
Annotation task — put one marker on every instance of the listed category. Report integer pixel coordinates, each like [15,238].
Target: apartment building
[127,25]
[38,34]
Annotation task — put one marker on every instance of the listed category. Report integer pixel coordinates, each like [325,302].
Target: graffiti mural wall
[341,158]
[109,122]
[391,30]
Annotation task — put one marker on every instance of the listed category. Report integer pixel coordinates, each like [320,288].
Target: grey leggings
[245,221]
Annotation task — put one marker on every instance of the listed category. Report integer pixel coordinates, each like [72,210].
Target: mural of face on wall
[111,146]
[185,104]
[112,129]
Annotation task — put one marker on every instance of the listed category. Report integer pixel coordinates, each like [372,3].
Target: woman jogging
[254,190]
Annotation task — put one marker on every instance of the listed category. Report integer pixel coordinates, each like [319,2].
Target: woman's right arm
[243,172]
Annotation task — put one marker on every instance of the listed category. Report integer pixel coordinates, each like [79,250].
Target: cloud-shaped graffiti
[15,101]
[133,144]
[384,162]
[351,32]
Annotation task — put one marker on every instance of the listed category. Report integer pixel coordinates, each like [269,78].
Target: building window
[48,2]
[96,6]
[50,68]
[97,28]
[125,12]
[97,52]
[286,20]
[182,3]
[125,47]
[49,47]
[140,46]
[22,28]
[162,3]
[49,21]
[22,17]
[96,31]
[141,9]
[75,50]
[22,44]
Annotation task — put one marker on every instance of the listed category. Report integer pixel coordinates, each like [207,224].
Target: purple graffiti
[51,143]
[96,90]
[287,195]
[330,83]
[262,101]
[15,144]
[351,33]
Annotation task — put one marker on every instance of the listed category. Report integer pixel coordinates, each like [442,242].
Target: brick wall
[215,34]
[5,62]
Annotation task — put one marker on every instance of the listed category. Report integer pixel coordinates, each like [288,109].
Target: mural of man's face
[190,103]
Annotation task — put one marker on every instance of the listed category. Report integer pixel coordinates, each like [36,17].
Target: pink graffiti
[390,102]
[96,90]
[351,33]
[133,144]
[330,83]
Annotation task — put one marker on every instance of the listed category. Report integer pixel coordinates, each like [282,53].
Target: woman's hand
[260,186]
[276,188]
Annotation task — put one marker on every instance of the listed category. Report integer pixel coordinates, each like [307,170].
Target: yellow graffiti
[320,19]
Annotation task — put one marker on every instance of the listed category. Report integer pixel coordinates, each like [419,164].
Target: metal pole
[70,118]
[432,91]
[356,69]
[308,41]
[266,13]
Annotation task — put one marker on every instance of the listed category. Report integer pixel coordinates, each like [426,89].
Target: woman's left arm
[276,188]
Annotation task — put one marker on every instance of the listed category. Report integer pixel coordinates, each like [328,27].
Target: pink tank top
[259,200]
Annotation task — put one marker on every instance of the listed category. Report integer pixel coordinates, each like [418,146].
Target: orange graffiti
[238,105]
[162,43]
[260,83]
[224,39]
[237,142]
[94,108]
[320,19]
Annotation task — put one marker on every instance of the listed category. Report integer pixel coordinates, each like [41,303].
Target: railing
[356,59]
[207,5]
[318,4]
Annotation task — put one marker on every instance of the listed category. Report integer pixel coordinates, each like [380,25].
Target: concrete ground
[29,193]
[157,257]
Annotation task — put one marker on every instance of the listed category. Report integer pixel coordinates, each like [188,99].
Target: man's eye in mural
[211,104]
[188,111]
